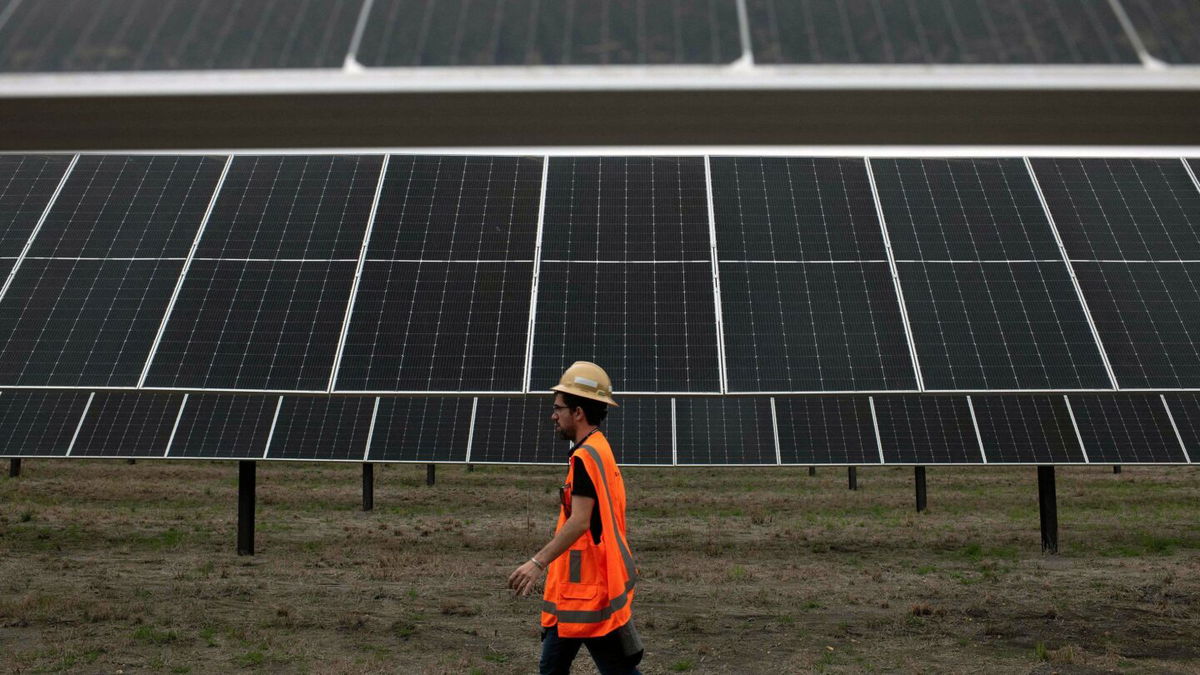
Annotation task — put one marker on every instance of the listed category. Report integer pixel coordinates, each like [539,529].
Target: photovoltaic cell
[794,208]
[120,35]
[421,430]
[826,430]
[78,323]
[39,423]
[457,208]
[322,427]
[27,182]
[1132,429]
[1026,430]
[813,327]
[224,426]
[1185,410]
[438,326]
[534,32]
[136,206]
[128,424]
[869,31]
[651,326]
[516,431]
[254,325]
[926,430]
[626,208]
[1148,317]
[639,431]
[294,206]
[963,209]
[713,430]
[1000,326]
[1122,209]
[1170,29]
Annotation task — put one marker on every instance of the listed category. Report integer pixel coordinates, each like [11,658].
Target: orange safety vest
[589,589]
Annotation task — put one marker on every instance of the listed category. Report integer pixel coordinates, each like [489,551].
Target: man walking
[589,591]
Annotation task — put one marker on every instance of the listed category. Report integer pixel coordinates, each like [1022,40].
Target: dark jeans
[558,653]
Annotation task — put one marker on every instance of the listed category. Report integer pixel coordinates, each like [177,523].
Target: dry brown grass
[106,567]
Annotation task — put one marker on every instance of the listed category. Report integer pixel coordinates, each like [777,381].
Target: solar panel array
[649,431]
[138,35]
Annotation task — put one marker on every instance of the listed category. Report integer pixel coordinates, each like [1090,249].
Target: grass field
[107,567]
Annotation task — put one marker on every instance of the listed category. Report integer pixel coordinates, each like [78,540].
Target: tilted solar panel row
[697,431]
[491,274]
[143,35]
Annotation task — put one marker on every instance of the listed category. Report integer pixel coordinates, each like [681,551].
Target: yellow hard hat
[587,380]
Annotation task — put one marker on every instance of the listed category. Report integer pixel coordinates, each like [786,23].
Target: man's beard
[564,434]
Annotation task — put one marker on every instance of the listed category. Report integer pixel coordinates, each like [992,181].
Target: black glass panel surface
[536,32]
[39,423]
[135,206]
[1000,326]
[639,431]
[517,430]
[717,430]
[128,424]
[626,208]
[454,207]
[1170,29]
[86,35]
[963,209]
[870,31]
[438,326]
[421,430]
[78,323]
[1126,429]
[652,327]
[813,327]
[322,427]
[826,430]
[795,208]
[926,430]
[293,206]
[27,182]
[1148,317]
[1026,430]
[254,325]
[224,426]
[1185,410]
[1123,209]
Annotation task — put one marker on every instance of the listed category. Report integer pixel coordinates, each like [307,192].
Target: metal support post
[470,468]
[14,467]
[368,486]
[852,474]
[131,461]
[430,473]
[919,476]
[1117,468]
[1048,507]
[812,470]
[245,535]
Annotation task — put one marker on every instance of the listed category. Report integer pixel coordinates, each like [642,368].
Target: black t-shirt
[583,486]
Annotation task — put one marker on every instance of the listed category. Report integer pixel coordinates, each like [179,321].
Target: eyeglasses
[561,407]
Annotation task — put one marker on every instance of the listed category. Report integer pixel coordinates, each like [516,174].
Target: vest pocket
[579,592]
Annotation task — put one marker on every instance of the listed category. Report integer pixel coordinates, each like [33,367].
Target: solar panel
[1185,412]
[1122,209]
[128,424]
[84,35]
[1126,429]
[1002,325]
[27,182]
[826,430]
[652,326]
[1168,28]
[39,423]
[926,430]
[322,427]
[516,430]
[421,430]
[641,430]
[868,31]
[534,32]
[222,426]
[1148,316]
[736,430]
[1026,430]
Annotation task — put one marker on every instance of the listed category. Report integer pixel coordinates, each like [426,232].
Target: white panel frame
[537,270]
[1175,427]
[12,274]
[716,273]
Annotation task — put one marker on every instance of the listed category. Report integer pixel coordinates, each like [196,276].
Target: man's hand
[522,579]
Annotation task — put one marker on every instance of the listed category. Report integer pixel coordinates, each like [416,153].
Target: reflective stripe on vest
[591,616]
[630,569]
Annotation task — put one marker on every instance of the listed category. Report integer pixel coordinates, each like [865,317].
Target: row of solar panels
[147,35]
[1041,429]
[467,274]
